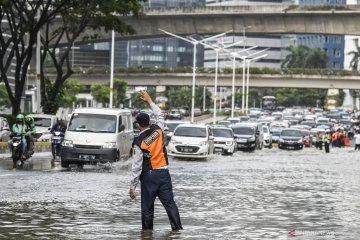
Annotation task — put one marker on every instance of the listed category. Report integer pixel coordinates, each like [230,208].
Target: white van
[97,135]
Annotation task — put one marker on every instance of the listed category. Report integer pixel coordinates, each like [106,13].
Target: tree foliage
[101,92]
[305,57]
[181,96]
[59,20]
[66,96]
[4,99]
[354,63]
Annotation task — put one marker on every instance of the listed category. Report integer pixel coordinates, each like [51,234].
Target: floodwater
[268,194]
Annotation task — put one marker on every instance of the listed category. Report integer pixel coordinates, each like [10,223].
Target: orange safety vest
[151,143]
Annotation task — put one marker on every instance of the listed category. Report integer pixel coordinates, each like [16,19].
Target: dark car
[291,138]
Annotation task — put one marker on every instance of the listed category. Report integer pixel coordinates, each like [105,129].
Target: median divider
[39,146]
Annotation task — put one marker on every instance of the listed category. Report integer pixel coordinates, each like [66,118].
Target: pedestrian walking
[326,140]
[150,166]
[357,140]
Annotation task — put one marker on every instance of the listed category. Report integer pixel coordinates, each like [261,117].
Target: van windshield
[81,122]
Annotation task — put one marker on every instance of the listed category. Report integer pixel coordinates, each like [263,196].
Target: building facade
[277,44]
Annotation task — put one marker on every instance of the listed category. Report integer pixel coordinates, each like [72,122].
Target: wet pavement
[268,194]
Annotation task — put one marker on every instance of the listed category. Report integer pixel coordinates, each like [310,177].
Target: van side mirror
[121,128]
[211,138]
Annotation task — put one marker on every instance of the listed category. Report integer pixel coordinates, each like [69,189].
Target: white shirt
[357,138]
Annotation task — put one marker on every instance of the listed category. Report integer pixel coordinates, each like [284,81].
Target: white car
[267,137]
[43,125]
[224,141]
[191,141]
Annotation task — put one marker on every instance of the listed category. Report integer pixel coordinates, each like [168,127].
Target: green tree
[101,92]
[58,20]
[354,63]
[74,22]
[181,96]
[4,99]
[305,57]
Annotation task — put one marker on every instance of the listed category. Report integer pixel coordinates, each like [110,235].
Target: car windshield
[234,121]
[190,132]
[291,133]
[225,133]
[223,123]
[42,122]
[172,126]
[265,130]
[81,122]
[345,122]
[244,130]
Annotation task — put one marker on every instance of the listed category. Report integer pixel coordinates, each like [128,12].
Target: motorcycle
[56,143]
[17,152]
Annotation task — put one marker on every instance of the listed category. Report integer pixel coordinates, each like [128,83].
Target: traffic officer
[150,166]
[326,140]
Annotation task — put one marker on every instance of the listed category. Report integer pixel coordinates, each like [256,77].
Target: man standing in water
[150,166]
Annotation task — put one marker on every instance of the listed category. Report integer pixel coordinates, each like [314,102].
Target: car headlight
[281,140]
[300,141]
[108,145]
[203,143]
[251,139]
[228,143]
[175,142]
[68,143]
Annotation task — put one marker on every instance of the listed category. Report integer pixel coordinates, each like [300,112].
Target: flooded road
[268,194]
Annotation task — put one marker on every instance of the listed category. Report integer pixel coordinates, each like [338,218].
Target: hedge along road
[268,194]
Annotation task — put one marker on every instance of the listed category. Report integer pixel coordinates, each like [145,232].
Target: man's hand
[132,193]
[145,96]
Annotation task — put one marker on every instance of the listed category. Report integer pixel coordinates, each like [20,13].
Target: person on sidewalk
[357,140]
[150,166]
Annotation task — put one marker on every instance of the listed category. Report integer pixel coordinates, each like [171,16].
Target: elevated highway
[282,19]
[225,80]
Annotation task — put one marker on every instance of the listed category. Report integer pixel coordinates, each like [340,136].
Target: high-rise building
[277,44]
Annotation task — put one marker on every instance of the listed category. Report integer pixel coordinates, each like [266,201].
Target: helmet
[28,119]
[20,117]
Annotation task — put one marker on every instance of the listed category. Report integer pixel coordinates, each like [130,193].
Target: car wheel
[64,165]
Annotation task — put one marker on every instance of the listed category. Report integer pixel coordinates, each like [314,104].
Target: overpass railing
[253,70]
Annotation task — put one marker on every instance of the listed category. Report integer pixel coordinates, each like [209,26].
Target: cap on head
[143,119]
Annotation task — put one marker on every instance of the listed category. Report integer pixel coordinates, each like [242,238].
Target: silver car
[224,141]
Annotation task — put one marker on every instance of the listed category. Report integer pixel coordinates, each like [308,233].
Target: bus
[269,103]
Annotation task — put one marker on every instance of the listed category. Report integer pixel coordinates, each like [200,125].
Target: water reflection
[264,194]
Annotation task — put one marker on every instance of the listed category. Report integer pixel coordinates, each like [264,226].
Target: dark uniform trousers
[157,183]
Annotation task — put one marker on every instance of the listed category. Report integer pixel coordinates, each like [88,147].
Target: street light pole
[38,83]
[217,48]
[247,82]
[195,43]
[112,68]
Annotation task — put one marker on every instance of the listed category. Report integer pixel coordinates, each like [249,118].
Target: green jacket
[30,128]
[19,130]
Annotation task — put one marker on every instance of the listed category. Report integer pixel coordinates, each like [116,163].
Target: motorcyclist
[58,127]
[30,131]
[19,129]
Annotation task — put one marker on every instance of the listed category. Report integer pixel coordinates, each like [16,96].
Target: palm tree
[305,57]
[355,60]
